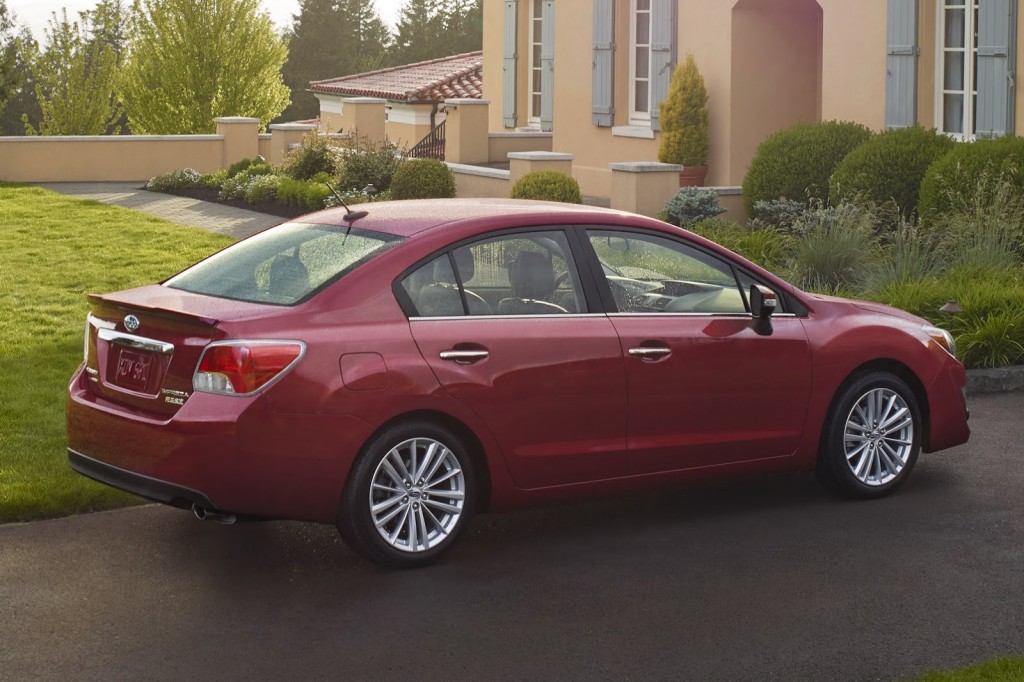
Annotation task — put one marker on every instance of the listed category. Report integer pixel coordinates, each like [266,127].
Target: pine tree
[328,39]
[430,29]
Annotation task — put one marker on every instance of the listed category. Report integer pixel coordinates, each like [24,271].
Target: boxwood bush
[548,186]
[692,205]
[796,163]
[889,168]
[423,179]
[955,180]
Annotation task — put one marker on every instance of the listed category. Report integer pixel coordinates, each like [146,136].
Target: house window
[536,33]
[957,103]
[640,62]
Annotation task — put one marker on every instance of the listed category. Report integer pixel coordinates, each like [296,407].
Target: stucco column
[284,135]
[643,187]
[465,130]
[521,163]
[241,138]
[364,117]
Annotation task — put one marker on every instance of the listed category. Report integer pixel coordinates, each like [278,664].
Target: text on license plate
[133,370]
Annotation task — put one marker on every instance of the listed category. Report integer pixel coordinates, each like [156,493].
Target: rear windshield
[284,265]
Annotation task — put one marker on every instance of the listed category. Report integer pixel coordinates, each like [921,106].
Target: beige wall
[107,158]
[500,145]
[469,185]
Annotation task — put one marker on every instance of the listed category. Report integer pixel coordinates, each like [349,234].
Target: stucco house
[593,72]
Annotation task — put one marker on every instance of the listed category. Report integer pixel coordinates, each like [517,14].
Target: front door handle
[649,352]
[464,357]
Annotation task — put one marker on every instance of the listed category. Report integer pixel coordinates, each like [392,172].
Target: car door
[704,387]
[505,326]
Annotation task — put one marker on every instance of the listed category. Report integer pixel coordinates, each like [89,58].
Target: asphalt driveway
[758,579]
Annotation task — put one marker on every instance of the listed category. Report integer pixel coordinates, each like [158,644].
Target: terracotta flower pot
[693,176]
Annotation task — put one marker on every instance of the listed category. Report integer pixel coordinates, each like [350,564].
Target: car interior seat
[532,277]
[441,298]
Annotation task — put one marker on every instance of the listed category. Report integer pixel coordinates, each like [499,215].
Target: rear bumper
[144,486]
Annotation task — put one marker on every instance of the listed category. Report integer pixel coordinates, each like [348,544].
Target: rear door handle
[649,352]
[464,357]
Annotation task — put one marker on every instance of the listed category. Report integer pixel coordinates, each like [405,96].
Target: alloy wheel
[878,436]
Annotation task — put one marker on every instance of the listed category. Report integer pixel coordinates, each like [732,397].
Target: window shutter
[547,64]
[901,65]
[996,48]
[663,57]
[508,96]
[602,103]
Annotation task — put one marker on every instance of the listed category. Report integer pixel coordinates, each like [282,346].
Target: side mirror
[762,305]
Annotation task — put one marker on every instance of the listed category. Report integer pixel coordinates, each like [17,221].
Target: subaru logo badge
[131,323]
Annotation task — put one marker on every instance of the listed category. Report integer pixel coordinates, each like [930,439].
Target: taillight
[244,367]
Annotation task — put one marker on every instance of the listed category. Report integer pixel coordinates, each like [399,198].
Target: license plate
[133,370]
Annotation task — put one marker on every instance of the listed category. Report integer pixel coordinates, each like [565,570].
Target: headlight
[943,338]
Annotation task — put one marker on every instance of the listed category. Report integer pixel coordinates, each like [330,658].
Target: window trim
[970,91]
[535,37]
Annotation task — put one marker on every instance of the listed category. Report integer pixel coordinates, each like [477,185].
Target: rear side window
[284,265]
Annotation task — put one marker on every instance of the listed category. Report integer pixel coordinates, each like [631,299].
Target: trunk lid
[143,345]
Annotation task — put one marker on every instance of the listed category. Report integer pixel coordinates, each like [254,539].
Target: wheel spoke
[864,464]
[399,464]
[449,494]
[440,527]
[382,521]
[449,474]
[428,459]
[424,536]
[386,504]
[393,536]
[386,488]
[392,474]
[448,508]
[413,447]
[411,538]
[441,459]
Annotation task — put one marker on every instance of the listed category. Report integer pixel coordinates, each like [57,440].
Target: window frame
[639,118]
[969,92]
[535,36]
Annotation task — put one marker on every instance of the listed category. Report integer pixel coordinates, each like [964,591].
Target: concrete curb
[1002,380]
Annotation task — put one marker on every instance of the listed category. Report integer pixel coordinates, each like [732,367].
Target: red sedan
[395,372]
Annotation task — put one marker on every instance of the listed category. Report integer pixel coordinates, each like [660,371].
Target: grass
[55,250]
[998,670]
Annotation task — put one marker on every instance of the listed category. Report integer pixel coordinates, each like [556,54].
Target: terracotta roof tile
[460,75]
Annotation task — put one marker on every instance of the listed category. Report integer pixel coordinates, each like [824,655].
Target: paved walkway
[219,218]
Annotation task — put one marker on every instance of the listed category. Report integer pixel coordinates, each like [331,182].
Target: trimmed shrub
[214,180]
[423,179]
[179,179]
[262,188]
[303,193]
[239,166]
[797,162]
[368,163]
[955,180]
[684,117]
[314,155]
[889,167]
[236,186]
[692,205]
[548,186]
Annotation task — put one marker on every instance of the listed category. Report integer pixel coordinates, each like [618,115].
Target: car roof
[407,218]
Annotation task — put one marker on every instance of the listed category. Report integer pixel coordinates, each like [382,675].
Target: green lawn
[997,670]
[55,249]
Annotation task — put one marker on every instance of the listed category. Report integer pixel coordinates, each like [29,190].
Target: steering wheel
[560,278]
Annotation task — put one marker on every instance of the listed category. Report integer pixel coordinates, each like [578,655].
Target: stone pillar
[643,187]
[364,117]
[521,163]
[465,131]
[284,135]
[241,138]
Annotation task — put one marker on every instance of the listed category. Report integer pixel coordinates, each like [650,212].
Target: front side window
[284,265]
[653,274]
[640,62]
[958,60]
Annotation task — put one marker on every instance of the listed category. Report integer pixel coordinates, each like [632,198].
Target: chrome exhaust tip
[204,514]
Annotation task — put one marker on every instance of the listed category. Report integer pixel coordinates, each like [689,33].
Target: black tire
[408,549]
[848,430]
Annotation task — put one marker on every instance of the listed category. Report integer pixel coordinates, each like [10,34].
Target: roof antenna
[351,216]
